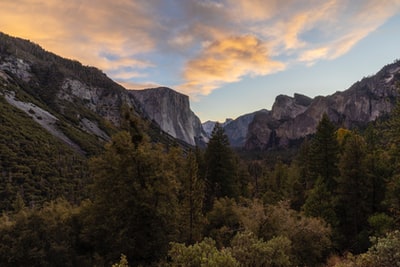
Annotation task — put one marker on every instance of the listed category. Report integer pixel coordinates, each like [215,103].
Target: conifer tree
[354,189]
[192,201]
[324,153]
[220,167]
[393,138]
[134,201]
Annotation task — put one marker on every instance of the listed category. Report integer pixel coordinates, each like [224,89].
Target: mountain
[293,118]
[77,103]
[55,113]
[82,107]
[208,126]
[171,111]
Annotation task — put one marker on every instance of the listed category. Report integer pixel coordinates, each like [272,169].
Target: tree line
[336,204]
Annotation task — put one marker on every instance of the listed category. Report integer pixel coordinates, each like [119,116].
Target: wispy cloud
[214,42]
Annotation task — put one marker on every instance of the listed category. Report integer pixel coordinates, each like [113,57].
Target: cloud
[88,31]
[212,42]
[343,27]
[227,61]
[138,86]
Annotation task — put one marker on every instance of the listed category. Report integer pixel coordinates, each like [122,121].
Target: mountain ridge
[85,102]
[293,118]
[83,98]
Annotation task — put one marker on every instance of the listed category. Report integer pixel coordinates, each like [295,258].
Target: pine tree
[324,153]
[393,143]
[134,201]
[192,201]
[220,167]
[354,190]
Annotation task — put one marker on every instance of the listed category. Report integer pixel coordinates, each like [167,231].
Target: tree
[323,169]
[223,221]
[220,167]
[134,201]
[324,153]
[248,250]
[191,201]
[309,237]
[300,178]
[122,263]
[320,203]
[48,236]
[204,253]
[354,194]
[393,146]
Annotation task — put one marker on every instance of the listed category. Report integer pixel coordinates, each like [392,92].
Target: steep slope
[297,117]
[81,103]
[171,111]
[54,114]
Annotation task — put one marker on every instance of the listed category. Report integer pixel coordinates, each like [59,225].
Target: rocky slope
[81,102]
[292,118]
[171,111]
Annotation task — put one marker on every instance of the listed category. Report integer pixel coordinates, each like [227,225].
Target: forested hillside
[159,205]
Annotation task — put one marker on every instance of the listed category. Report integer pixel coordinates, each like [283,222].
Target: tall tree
[393,138]
[134,201]
[220,167]
[324,153]
[191,201]
[354,190]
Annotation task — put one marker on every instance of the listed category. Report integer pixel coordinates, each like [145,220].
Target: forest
[142,203]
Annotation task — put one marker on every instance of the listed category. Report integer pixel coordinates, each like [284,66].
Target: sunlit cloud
[227,61]
[87,31]
[138,86]
[214,42]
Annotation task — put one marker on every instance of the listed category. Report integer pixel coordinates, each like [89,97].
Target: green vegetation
[34,164]
[147,202]
[144,199]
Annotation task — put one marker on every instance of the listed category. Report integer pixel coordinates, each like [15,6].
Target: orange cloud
[227,61]
[120,36]
[89,31]
[138,86]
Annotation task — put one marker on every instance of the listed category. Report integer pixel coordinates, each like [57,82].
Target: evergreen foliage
[135,201]
[324,153]
[35,165]
[220,167]
[151,201]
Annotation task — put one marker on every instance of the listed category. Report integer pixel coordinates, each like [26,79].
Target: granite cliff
[171,111]
[72,101]
[293,118]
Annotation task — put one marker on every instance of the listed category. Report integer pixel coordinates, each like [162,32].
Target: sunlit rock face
[171,111]
[293,118]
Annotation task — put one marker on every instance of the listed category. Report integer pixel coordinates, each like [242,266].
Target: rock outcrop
[84,98]
[171,111]
[295,117]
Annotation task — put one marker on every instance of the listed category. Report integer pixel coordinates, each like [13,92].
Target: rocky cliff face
[237,129]
[295,117]
[171,111]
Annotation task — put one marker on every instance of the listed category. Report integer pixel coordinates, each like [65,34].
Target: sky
[231,57]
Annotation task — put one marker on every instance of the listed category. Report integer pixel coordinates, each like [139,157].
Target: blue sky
[230,56]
